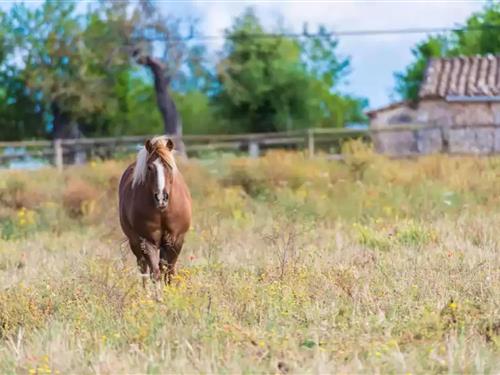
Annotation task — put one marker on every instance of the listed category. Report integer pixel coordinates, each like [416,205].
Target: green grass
[292,265]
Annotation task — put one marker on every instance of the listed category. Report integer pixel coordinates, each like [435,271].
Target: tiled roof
[462,76]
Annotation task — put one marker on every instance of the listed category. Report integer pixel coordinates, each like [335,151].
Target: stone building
[458,111]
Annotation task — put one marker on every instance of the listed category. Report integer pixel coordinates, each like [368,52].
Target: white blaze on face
[160,175]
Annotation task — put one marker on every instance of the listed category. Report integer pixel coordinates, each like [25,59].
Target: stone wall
[484,140]
[463,128]
[395,142]
[408,142]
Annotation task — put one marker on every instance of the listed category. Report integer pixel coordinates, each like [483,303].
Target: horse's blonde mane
[160,149]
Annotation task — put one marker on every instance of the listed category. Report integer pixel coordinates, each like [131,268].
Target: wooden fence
[70,151]
[395,140]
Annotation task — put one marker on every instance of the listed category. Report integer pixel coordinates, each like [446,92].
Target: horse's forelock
[160,151]
[167,157]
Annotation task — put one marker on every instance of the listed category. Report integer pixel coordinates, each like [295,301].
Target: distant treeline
[65,72]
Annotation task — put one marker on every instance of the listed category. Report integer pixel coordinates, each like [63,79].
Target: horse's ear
[149,146]
[170,144]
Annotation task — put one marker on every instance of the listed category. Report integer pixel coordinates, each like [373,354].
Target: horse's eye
[150,168]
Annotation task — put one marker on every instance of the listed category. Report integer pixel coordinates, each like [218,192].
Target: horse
[155,209]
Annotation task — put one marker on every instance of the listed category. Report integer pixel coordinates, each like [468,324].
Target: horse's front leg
[142,263]
[169,253]
[151,254]
[143,268]
[163,265]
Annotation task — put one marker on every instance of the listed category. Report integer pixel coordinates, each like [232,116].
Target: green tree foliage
[481,33]
[326,71]
[20,114]
[479,36]
[65,72]
[270,83]
[58,66]
[169,61]
[408,82]
[259,77]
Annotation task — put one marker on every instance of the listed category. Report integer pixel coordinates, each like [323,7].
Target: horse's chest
[163,237]
[157,235]
[151,227]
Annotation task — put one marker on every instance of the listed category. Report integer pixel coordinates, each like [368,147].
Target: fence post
[253,149]
[310,142]
[58,154]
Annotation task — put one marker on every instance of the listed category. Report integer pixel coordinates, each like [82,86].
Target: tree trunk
[60,121]
[64,128]
[166,106]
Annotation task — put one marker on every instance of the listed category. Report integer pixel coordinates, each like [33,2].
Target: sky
[374,59]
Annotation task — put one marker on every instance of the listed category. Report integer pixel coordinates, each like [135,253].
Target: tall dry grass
[292,266]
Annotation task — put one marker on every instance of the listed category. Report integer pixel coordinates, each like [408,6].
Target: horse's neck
[178,181]
[179,187]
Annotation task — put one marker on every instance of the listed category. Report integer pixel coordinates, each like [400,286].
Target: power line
[322,34]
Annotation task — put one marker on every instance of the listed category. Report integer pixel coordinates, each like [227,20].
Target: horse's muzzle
[161,200]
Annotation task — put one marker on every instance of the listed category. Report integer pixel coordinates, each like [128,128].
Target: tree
[123,68]
[20,114]
[197,73]
[152,40]
[257,77]
[149,21]
[58,70]
[270,83]
[480,34]
[327,70]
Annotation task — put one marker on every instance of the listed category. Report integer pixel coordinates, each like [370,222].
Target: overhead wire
[192,36]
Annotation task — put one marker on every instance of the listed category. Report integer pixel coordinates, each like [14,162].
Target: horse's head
[159,170]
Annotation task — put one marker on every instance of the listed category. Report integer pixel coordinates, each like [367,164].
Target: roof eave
[472,99]
[387,107]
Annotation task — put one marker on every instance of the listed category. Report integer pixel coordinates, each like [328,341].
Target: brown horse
[155,208]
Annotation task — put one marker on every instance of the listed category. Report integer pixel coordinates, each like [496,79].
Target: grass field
[291,266]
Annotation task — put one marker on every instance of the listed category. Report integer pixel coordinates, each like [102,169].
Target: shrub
[19,190]
[358,156]
[80,198]
[245,173]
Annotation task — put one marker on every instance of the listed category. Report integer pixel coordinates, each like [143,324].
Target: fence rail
[71,151]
